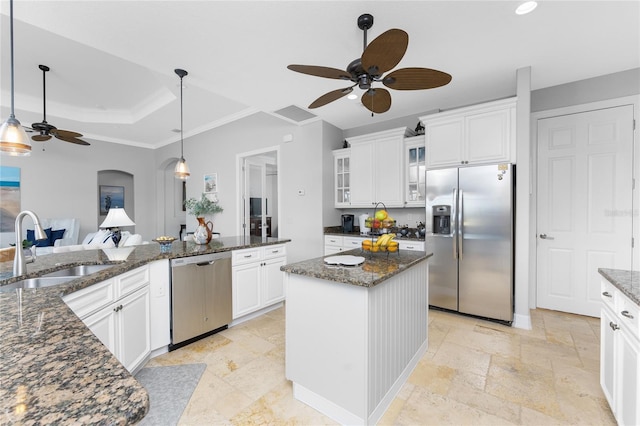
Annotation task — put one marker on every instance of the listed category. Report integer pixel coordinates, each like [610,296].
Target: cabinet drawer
[131,280]
[332,240]
[608,294]
[269,252]
[350,243]
[628,313]
[411,245]
[88,300]
[240,257]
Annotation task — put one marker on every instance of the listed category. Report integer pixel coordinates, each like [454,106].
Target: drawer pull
[614,326]
[606,294]
[247,256]
[626,314]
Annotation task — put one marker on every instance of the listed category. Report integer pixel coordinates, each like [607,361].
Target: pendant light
[13,138]
[182,170]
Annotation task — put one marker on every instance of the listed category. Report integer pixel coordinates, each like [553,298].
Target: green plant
[203,206]
[25,244]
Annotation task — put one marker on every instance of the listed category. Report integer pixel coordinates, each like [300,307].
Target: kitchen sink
[77,271]
[39,282]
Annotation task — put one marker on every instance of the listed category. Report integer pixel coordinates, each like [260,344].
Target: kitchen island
[53,370]
[354,334]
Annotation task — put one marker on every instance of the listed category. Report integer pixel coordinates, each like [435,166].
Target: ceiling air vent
[295,114]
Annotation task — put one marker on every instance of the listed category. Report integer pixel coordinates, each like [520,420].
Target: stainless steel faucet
[19,261]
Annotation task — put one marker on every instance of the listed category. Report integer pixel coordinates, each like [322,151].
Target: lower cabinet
[334,244]
[619,354]
[117,312]
[257,279]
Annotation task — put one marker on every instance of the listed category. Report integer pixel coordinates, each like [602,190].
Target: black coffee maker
[347,223]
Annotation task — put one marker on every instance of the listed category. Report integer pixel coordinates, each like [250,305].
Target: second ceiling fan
[380,56]
[45,130]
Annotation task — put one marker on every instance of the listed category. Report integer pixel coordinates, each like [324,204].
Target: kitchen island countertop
[377,267]
[53,369]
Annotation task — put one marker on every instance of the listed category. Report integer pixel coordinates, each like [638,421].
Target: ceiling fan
[46,130]
[380,56]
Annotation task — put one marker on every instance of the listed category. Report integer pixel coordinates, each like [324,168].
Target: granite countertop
[53,370]
[628,282]
[377,267]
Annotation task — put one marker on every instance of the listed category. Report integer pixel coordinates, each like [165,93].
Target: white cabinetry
[342,178]
[117,312]
[160,305]
[376,162]
[479,134]
[335,244]
[415,172]
[619,354]
[257,280]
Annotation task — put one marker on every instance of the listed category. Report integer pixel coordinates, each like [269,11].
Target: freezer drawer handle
[626,314]
[614,326]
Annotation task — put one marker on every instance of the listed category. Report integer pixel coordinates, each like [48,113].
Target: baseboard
[255,314]
[521,321]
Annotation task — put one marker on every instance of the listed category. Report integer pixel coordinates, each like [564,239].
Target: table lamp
[116,218]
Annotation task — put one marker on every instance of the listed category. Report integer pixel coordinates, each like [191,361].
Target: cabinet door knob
[606,294]
[614,326]
[626,314]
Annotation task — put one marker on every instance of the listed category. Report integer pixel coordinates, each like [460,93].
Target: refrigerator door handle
[454,224]
[460,221]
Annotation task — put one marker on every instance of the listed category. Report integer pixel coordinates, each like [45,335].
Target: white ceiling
[112,62]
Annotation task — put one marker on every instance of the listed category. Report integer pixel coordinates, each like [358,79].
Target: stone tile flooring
[474,372]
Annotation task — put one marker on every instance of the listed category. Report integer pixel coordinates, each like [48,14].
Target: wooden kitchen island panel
[351,343]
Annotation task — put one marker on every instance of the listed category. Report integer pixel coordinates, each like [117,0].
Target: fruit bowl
[383,244]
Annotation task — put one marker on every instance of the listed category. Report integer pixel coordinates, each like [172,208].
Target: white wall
[62,181]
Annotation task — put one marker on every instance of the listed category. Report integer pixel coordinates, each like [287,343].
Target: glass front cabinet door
[342,172]
[416,171]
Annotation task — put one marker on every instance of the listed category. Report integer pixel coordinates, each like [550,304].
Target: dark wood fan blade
[41,138]
[317,71]
[377,100]
[384,53]
[330,97]
[72,140]
[416,79]
[65,134]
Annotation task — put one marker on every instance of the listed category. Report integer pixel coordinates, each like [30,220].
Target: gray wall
[302,165]
[62,182]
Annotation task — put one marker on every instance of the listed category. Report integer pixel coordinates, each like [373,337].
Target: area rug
[170,388]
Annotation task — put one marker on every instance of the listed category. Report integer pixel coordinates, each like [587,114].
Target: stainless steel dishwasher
[200,297]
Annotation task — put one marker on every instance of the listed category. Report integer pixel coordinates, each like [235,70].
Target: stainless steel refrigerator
[469,229]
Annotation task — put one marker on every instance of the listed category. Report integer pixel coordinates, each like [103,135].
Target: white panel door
[584,205]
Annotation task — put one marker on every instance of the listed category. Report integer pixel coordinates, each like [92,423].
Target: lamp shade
[116,218]
[182,170]
[13,138]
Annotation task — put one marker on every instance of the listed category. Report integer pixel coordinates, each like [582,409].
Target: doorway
[584,205]
[259,212]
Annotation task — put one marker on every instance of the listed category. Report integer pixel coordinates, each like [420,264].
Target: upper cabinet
[415,171]
[342,177]
[376,169]
[478,134]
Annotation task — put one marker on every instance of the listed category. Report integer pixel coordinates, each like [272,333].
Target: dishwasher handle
[206,263]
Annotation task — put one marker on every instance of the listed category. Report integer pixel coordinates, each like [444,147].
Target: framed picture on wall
[110,196]
[210,183]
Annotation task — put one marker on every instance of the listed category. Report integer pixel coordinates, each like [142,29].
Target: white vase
[202,234]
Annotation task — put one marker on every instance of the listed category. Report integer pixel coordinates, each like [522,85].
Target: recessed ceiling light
[526,7]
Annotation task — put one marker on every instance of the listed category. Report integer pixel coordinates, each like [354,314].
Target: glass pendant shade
[13,139]
[182,170]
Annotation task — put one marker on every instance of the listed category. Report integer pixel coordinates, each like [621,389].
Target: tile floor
[474,372]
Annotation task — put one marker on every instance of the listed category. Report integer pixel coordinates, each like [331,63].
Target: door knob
[545,237]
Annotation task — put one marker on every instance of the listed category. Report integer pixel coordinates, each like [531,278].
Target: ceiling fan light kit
[13,138]
[182,169]
[380,56]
